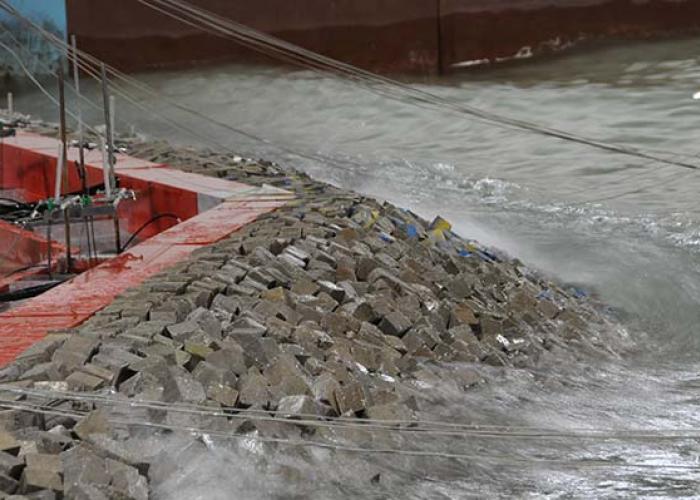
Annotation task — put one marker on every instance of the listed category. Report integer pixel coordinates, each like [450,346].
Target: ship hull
[415,36]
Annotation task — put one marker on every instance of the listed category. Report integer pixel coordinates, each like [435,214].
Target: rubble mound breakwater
[335,309]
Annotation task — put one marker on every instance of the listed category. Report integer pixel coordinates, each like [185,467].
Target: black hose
[12,210]
[28,293]
[140,230]
[16,203]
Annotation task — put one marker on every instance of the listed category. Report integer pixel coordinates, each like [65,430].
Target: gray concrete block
[296,407]
[350,399]
[36,479]
[10,465]
[395,323]
[253,390]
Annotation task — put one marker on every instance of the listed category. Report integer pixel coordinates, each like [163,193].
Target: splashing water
[623,229]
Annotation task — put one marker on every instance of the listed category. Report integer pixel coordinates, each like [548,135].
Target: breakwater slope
[625,230]
[321,325]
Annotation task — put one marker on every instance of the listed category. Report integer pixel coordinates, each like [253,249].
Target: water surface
[625,229]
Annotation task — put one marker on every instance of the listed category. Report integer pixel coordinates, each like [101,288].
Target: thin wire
[509,460]
[243,33]
[145,88]
[316,158]
[411,426]
[36,82]
[47,68]
[122,93]
[178,126]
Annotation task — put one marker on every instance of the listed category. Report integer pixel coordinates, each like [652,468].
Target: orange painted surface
[17,276]
[73,302]
[29,164]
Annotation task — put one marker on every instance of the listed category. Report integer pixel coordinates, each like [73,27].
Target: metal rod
[440,58]
[76,83]
[108,125]
[62,122]
[69,262]
[59,173]
[94,240]
[112,115]
[87,236]
[10,103]
[105,168]
[117,233]
[49,246]
[81,133]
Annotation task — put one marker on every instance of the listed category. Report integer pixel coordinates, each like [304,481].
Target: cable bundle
[281,50]
[393,89]
[431,429]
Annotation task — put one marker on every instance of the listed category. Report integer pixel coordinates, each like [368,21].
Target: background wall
[418,36]
[386,35]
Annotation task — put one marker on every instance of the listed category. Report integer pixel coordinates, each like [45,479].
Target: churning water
[626,229]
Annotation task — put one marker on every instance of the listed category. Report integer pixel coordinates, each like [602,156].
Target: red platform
[29,164]
[20,249]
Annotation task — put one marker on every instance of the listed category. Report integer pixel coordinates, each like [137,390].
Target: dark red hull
[418,36]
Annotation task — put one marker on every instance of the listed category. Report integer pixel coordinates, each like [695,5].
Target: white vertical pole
[112,113]
[10,103]
[59,173]
[105,168]
[76,82]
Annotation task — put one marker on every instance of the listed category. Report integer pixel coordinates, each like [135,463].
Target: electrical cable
[36,83]
[92,71]
[518,124]
[321,159]
[29,292]
[411,425]
[504,460]
[241,33]
[47,68]
[13,201]
[291,151]
[145,225]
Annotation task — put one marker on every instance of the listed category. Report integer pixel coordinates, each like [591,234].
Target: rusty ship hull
[413,36]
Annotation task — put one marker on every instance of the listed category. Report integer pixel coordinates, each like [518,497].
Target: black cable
[141,229]
[13,201]
[28,293]
[94,240]
[284,50]
[48,241]
[12,210]
[270,45]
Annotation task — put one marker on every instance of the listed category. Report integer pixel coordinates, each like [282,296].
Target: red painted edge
[73,302]
[20,249]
